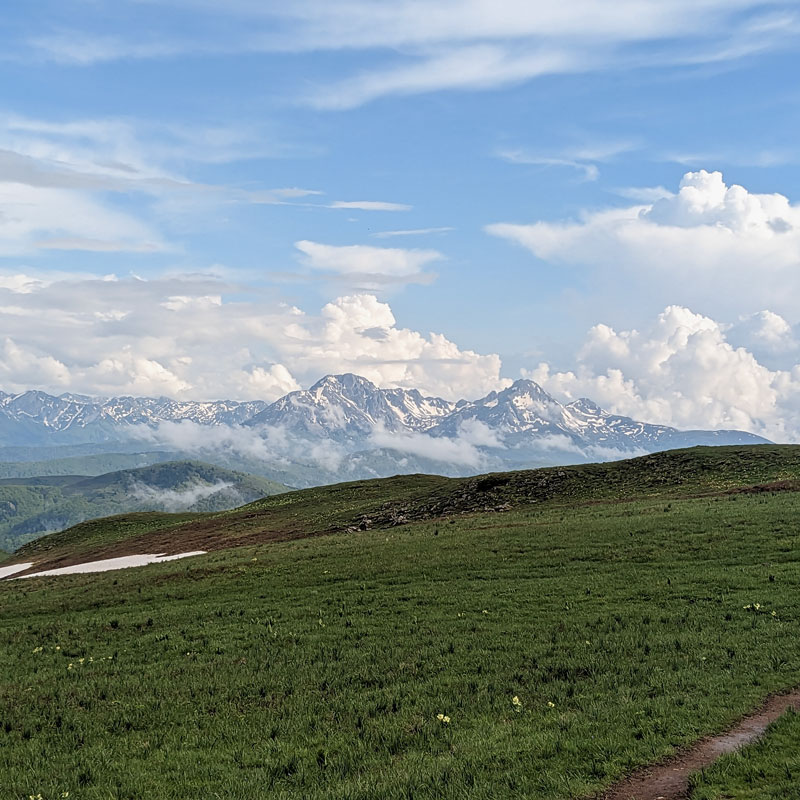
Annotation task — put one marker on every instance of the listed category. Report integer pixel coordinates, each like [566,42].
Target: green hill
[609,615]
[31,506]
[387,502]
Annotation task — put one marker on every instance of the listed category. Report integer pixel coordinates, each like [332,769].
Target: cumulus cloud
[709,243]
[194,337]
[682,371]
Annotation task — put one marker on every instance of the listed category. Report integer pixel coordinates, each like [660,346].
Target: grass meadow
[319,668]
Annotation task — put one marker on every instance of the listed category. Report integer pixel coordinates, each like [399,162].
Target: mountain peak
[346,381]
[526,385]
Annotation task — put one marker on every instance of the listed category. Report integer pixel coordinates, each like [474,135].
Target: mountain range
[344,426]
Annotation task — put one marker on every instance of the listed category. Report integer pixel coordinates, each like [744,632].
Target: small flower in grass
[69,666]
[551,704]
[38,649]
[517,703]
[58,647]
[443,718]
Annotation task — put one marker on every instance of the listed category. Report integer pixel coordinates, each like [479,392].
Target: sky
[206,200]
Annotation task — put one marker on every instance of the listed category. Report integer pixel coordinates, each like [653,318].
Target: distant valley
[33,506]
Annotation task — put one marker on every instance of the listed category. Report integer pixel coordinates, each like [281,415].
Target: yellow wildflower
[551,704]
[517,703]
[38,649]
[443,718]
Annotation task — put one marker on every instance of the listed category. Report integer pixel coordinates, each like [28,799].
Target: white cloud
[478,66]
[370,205]
[683,371]
[33,216]
[583,159]
[185,337]
[589,171]
[461,449]
[60,182]
[708,243]
[451,44]
[411,232]
[180,499]
[370,267]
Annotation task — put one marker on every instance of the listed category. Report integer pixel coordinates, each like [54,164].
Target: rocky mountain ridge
[343,427]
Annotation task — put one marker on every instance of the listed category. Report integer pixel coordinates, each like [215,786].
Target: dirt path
[669,780]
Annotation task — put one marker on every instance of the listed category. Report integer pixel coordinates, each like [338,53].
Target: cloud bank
[193,336]
[708,243]
[684,370]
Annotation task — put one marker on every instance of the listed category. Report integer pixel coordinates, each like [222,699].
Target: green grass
[316,668]
[403,498]
[767,770]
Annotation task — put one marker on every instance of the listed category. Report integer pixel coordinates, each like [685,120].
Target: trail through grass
[318,668]
[767,770]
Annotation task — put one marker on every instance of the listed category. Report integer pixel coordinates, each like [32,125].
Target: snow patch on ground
[14,568]
[105,565]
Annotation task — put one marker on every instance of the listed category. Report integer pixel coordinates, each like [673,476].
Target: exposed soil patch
[669,780]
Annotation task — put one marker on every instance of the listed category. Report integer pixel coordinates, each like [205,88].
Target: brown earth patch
[669,779]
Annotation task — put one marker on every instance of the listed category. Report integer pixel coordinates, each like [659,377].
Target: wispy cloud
[451,44]
[411,232]
[370,205]
[87,184]
[590,172]
[583,159]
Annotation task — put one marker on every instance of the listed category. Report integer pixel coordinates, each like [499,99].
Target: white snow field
[105,565]
[14,568]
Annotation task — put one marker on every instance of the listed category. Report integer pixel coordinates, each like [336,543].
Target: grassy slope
[767,770]
[316,668]
[385,502]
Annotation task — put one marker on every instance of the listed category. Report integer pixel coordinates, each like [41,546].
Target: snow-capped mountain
[38,418]
[347,407]
[345,426]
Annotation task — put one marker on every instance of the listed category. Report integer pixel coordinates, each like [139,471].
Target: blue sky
[199,199]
